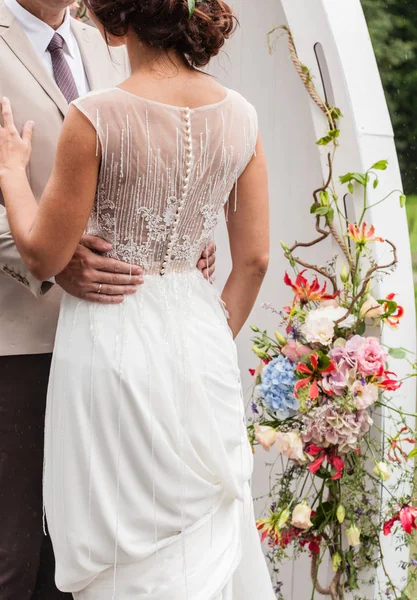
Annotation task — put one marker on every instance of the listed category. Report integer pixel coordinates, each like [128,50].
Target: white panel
[290,124]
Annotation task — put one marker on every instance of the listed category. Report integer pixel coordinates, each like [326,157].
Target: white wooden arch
[290,124]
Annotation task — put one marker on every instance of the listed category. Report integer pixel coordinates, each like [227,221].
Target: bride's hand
[15,150]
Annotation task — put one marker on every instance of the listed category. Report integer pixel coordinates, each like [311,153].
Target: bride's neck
[52,16]
[161,63]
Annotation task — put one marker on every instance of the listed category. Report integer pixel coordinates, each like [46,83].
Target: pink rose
[294,351]
[371,357]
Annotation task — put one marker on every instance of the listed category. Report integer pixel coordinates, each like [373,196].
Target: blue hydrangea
[277,387]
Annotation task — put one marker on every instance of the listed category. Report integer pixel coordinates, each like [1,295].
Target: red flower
[325,454]
[407,516]
[388,525]
[393,311]
[388,384]
[395,452]
[311,372]
[252,372]
[307,292]
[313,542]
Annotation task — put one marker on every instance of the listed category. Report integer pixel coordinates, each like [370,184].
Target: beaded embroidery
[166,174]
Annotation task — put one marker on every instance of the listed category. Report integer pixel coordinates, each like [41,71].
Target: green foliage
[393,28]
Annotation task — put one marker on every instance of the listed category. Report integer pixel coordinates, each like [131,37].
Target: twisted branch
[333,589]
[368,278]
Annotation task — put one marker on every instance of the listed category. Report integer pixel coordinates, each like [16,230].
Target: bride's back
[166,170]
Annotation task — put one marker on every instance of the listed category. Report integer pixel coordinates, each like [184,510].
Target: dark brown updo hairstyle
[167,24]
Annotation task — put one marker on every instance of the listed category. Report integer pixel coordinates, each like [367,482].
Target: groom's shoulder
[95,48]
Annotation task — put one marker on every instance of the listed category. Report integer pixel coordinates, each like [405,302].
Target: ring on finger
[99,288]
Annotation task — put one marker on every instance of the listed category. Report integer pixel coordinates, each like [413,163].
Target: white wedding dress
[147,462]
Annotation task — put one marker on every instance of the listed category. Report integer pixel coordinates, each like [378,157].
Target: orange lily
[312,372]
[308,292]
[363,235]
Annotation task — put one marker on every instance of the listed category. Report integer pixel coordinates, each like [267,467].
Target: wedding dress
[147,461]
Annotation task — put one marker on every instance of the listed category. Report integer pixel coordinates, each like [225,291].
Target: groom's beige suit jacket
[28,308]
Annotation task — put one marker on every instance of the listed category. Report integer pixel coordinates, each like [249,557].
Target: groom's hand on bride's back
[97,278]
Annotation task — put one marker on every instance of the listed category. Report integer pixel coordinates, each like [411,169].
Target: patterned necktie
[62,71]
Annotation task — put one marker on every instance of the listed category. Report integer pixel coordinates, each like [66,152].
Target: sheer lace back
[166,174]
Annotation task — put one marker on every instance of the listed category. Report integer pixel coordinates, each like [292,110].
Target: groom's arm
[86,271]
[11,262]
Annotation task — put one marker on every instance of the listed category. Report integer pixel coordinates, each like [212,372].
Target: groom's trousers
[26,557]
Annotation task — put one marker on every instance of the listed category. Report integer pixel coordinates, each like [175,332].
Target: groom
[46,60]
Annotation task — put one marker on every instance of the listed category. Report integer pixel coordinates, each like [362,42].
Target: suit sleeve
[12,264]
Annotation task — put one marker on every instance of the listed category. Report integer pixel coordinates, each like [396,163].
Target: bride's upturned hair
[167,24]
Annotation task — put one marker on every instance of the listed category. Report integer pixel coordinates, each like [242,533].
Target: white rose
[371,309]
[318,331]
[381,471]
[265,436]
[365,395]
[353,535]
[301,516]
[290,445]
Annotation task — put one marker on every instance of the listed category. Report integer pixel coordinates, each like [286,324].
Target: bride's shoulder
[97,100]
[242,103]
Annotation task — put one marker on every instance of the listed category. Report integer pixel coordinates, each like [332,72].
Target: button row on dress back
[185,186]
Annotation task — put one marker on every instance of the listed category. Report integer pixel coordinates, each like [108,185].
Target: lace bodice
[166,174]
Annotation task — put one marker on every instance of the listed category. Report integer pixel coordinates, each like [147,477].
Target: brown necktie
[62,71]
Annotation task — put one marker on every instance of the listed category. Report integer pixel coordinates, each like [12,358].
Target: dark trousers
[27,563]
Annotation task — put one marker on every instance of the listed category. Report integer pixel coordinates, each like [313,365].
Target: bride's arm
[47,235]
[248,228]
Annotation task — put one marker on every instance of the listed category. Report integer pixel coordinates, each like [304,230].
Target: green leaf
[390,305]
[381,165]
[330,215]
[324,198]
[376,182]
[359,178]
[413,453]
[397,353]
[191,7]
[346,178]
[334,133]
[403,200]
[313,208]
[322,210]
[360,329]
[324,513]
[350,188]
[324,141]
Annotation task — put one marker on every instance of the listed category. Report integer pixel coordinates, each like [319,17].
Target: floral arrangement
[320,385]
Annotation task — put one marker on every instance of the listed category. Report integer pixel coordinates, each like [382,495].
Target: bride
[147,462]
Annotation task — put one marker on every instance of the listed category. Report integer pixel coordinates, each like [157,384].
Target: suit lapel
[87,46]
[14,36]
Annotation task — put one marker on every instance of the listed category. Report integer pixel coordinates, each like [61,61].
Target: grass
[412,225]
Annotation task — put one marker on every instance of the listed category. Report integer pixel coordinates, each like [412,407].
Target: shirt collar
[39,32]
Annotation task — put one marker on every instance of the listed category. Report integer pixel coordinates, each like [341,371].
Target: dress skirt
[147,461]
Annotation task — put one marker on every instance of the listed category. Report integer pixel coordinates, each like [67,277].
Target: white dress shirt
[41,34]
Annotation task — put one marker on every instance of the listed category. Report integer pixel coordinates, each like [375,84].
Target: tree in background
[393,28]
